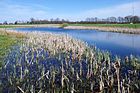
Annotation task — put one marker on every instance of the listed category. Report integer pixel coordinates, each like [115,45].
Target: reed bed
[12,33]
[53,63]
[108,29]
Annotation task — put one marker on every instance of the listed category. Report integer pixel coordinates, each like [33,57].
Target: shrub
[64,25]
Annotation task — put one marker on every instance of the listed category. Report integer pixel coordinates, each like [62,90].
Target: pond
[116,43]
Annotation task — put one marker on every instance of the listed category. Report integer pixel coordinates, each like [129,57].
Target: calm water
[116,43]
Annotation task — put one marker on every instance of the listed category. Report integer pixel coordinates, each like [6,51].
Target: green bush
[64,25]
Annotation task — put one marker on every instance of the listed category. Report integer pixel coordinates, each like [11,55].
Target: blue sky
[12,10]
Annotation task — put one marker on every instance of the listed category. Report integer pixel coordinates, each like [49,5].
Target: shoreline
[48,40]
[106,29]
[30,25]
[43,57]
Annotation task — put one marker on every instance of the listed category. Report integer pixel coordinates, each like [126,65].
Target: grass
[7,26]
[27,25]
[14,26]
[7,39]
[97,25]
[5,43]
[109,25]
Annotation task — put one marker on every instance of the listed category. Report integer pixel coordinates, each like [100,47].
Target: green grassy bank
[96,25]
[7,40]
[7,26]
[109,25]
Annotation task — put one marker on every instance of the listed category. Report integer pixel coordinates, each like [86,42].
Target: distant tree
[128,19]
[104,20]
[92,19]
[32,20]
[5,23]
[135,19]
[120,19]
[51,19]
[16,22]
[96,19]
[63,20]
[28,22]
[108,19]
[87,19]
[113,19]
[67,20]
[57,19]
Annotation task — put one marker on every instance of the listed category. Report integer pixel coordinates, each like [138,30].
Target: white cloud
[118,10]
[12,12]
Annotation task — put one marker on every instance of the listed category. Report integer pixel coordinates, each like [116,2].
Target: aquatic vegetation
[5,43]
[53,63]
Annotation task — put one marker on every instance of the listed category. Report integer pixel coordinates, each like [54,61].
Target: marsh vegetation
[6,41]
[109,25]
[51,63]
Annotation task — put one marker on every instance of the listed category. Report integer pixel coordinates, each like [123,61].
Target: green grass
[109,25]
[97,25]
[7,26]
[5,43]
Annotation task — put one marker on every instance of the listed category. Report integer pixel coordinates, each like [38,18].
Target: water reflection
[116,43]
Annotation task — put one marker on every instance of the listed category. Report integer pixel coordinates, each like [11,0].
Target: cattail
[91,86]
[32,89]
[88,73]
[128,88]
[80,73]
[77,76]
[26,71]
[62,75]
[26,68]
[47,76]
[101,81]
[6,64]
[40,91]
[109,63]
[122,85]
[20,89]
[72,88]
[21,72]
[117,67]
[91,68]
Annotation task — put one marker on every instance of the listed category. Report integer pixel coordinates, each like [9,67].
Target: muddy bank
[110,29]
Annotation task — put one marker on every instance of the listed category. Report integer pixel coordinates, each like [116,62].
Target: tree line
[126,19]
[95,20]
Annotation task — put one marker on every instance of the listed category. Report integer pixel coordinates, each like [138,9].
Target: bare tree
[120,19]
[135,19]
[128,19]
[112,19]
[5,22]
[88,19]
[57,19]
[32,20]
